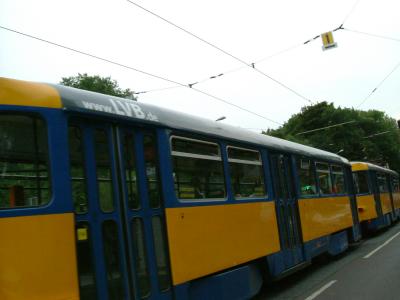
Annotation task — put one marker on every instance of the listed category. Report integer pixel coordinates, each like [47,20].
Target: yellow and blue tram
[108,198]
[378,195]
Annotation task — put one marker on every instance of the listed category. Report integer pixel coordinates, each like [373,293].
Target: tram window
[382,183]
[130,171]
[139,248]
[78,176]
[361,182]
[24,178]
[198,169]
[324,178]
[112,260]
[153,182]
[160,247]
[87,282]
[395,185]
[305,171]
[246,171]
[338,185]
[103,171]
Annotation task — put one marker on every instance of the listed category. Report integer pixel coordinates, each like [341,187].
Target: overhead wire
[136,70]
[376,134]
[252,65]
[326,127]
[158,89]
[221,50]
[380,83]
[351,11]
[233,70]
[89,54]
[372,34]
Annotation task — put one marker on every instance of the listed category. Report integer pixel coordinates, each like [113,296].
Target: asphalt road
[370,270]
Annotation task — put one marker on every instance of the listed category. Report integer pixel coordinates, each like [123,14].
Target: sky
[252,31]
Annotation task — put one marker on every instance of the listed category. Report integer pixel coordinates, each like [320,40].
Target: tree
[366,135]
[104,85]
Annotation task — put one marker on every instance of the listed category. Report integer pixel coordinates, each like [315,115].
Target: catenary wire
[221,50]
[89,54]
[326,127]
[351,11]
[220,74]
[380,83]
[372,35]
[137,70]
[158,89]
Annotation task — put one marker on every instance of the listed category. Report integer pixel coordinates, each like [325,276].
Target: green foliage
[104,85]
[357,140]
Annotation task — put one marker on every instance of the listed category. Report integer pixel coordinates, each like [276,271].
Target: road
[370,270]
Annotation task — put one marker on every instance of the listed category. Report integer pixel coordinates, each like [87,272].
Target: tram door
[287,209]
[390,191]
[375,189]
[120,234]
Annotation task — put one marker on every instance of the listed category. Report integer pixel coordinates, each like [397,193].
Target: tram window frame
[356,182]
[141,255]
[161,253]
[110,235]
[106,205]
[151,160]
[395,184]
[19,192]
[191,189]
[82,205]
[129,158]
[333,177]
[380,175]
[312,169]
[246,162]
[328,171]
[86,265]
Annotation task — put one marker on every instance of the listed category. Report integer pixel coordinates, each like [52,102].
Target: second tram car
[378,197]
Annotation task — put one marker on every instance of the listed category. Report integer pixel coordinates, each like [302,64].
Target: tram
[378,195]
[108,198]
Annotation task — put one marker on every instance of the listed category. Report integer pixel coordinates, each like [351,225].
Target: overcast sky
[250,30]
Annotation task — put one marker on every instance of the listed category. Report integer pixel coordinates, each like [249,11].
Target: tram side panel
[37,252]
[214,238]
[216,235]
[327,217]
[366,207]
[37,257]
[396,195]
[324,216]
[374,198]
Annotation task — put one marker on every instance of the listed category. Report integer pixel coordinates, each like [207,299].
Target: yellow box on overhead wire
[328,41]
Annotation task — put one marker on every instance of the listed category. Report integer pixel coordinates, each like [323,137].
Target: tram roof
[363,166]
[16,92]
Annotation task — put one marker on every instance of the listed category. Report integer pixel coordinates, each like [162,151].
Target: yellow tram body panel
[323,216]
[386,203]
[366,207]
[207,239]
[17,92]
[37,258]
[359,166]
[396,200]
